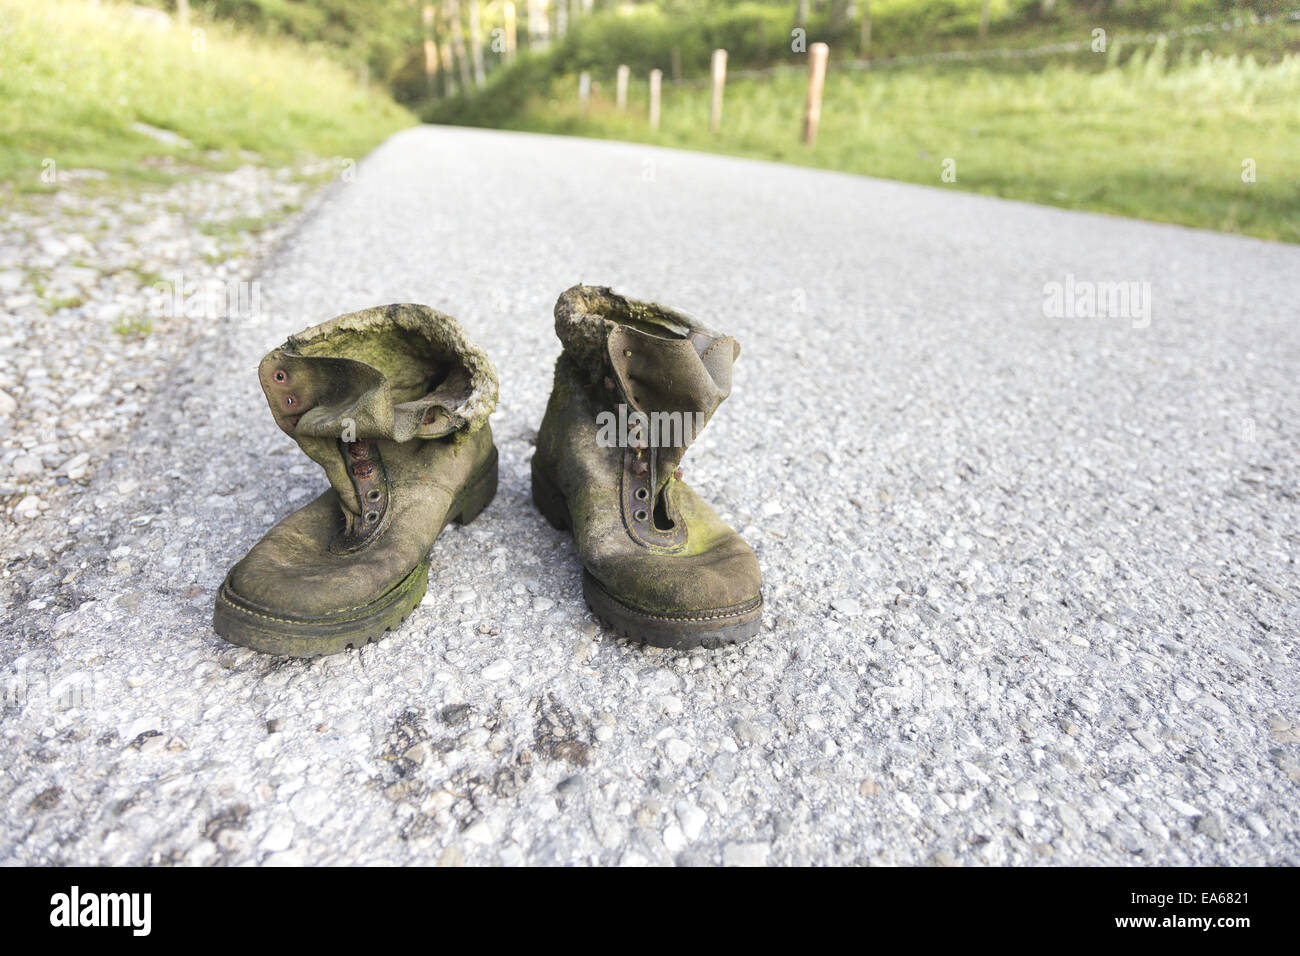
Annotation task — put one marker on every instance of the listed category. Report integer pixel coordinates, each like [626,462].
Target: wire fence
[1015,53]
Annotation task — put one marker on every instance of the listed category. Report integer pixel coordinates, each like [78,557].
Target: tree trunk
[458,45]
[476,44]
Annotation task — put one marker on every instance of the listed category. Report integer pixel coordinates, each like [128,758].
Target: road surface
[1030,566]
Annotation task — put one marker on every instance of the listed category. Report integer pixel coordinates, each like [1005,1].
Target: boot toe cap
[291,573]
[725,576]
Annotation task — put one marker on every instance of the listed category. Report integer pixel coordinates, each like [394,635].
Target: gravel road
[1030,578]
[95,306]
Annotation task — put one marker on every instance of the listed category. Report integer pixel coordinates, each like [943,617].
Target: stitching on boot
[686,616]
[241,608]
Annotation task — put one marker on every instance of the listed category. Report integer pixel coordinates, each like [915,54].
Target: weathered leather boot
[393,403]
[658,565]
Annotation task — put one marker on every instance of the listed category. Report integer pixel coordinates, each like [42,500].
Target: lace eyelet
[641,515]
[373,494]
[642,494]
[372,517]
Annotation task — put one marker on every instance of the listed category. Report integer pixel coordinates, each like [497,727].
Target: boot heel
[549,501]
[479,494]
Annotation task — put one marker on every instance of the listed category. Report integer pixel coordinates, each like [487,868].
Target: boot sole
[248,625]
[682,631]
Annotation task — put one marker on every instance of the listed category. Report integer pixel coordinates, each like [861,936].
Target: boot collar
[398,373]
[659,361]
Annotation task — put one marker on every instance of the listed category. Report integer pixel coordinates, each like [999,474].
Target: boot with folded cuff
[393,402]
[659,566]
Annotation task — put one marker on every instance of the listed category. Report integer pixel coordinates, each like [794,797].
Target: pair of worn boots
[393,402]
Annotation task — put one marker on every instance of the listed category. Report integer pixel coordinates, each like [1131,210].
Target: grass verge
[78,78]
[1173,143]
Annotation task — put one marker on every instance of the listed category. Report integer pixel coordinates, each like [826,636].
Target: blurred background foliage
[120,89]
[1155,126]
[385,37]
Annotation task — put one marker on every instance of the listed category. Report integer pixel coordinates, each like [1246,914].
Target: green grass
[1141,139]
[240,225]
[75,77]
[70,302]
[132,329]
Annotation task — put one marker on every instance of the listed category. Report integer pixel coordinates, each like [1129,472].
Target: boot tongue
[322,401]
[687,378]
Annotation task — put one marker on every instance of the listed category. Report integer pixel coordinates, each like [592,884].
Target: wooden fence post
[620,91]
[656,81]
[812,114]
[719,81]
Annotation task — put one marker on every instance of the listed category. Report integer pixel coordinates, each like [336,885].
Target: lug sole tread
[306,638]
[629,622]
